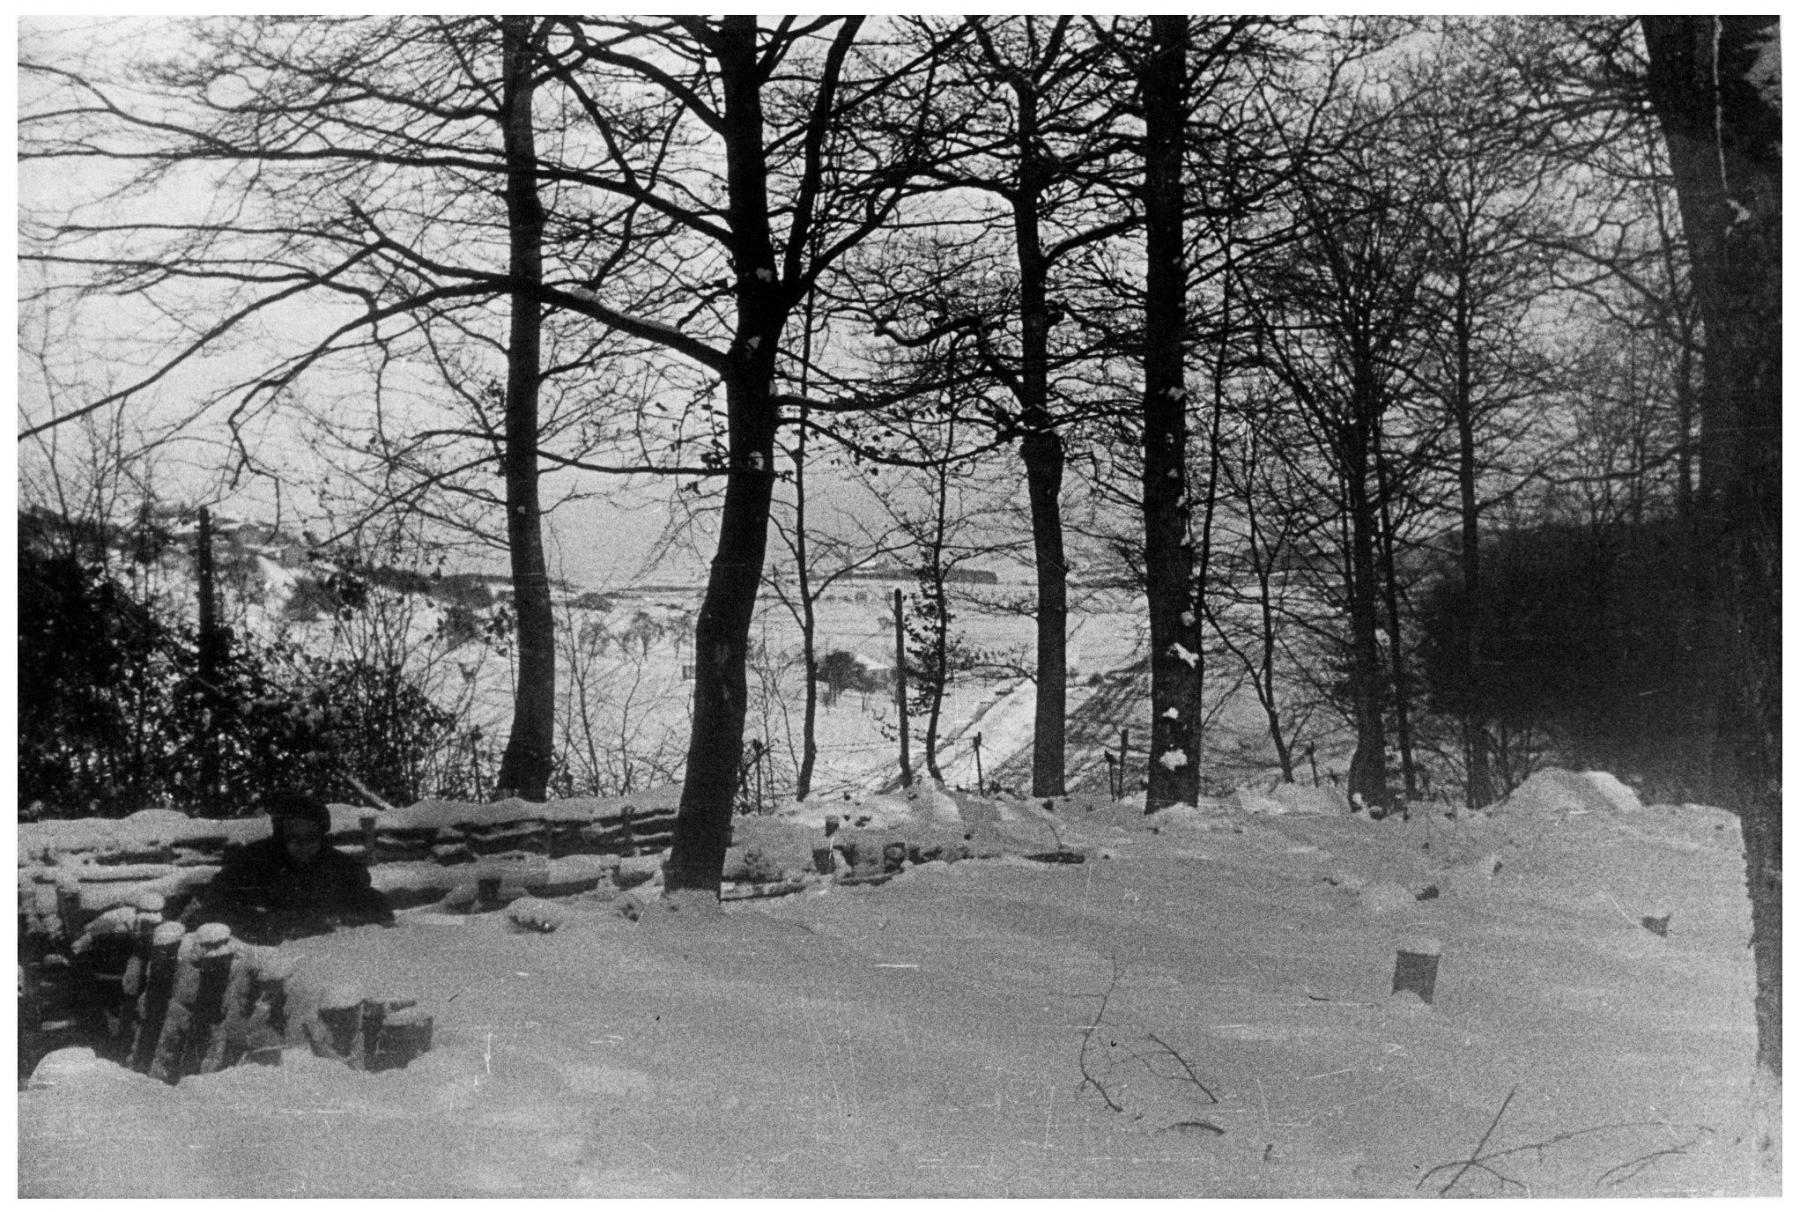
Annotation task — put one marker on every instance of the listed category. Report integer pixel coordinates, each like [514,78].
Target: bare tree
[1714,85]
[318,168]
[1037,134]
[1343,316]
[781,102]
[1168,546]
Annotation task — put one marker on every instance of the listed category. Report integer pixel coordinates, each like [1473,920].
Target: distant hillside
[956,576]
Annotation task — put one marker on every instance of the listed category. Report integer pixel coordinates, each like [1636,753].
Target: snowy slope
[1203,1007]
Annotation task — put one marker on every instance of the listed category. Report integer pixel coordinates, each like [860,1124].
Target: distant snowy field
[1203,1007]
[637,681]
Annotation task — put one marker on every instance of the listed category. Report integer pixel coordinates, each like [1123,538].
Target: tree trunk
[809,649]
[530,748]
[937,576]
[809,630]
[1390,587]
[1262,560]
[1174,765]
[721,634]
[1042,452]
[1043,455]
[1478,778]
[1368,765]
[211,661]
[1709,80]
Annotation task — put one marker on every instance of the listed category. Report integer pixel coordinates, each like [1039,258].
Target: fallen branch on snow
[1479,1160]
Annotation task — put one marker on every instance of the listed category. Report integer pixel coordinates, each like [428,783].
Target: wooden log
[131,987]
[214,957]
[230,1041]
[335,1030]
[70,916]
[196,1003]
[267,1027]
[161,963]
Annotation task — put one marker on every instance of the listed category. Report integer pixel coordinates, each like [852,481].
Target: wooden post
[338,1033]
[267,1026]
[368,840]
[900,691]
[1124,748]
[149,918]
[160,967]
[980,781]
[196,1002]
[214,956]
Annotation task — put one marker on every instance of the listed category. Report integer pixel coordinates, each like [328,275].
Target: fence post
[1124,747]
[980,781]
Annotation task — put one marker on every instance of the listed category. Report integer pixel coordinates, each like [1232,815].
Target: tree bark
[936,576]
[211,660]
[809,649]
[1174,765]
[1390,587]
[1368,764]
[530,747]
[721,634]
[1478,778]
[1041,449]
[1709,85]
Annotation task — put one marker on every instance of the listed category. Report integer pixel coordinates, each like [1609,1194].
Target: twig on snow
[1112,1096]
[1475,1158]
[1087,1039]
[1479,1160]
[1180,1060]
[1638,1165]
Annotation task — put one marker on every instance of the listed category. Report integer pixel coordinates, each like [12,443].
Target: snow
[1172,759]
[1186,655]
[1617,795]
[1208,1011]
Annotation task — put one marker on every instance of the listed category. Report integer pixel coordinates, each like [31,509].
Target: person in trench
[292,883]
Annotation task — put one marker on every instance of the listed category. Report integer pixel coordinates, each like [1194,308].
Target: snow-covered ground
[1203,1007]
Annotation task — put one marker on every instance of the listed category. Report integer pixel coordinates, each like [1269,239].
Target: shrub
[114,715]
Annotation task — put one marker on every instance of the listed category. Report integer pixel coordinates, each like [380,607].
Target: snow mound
[1556,792]
[1292,799]
[1617,794]
[929,803]
[1202,817]
[151,829]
